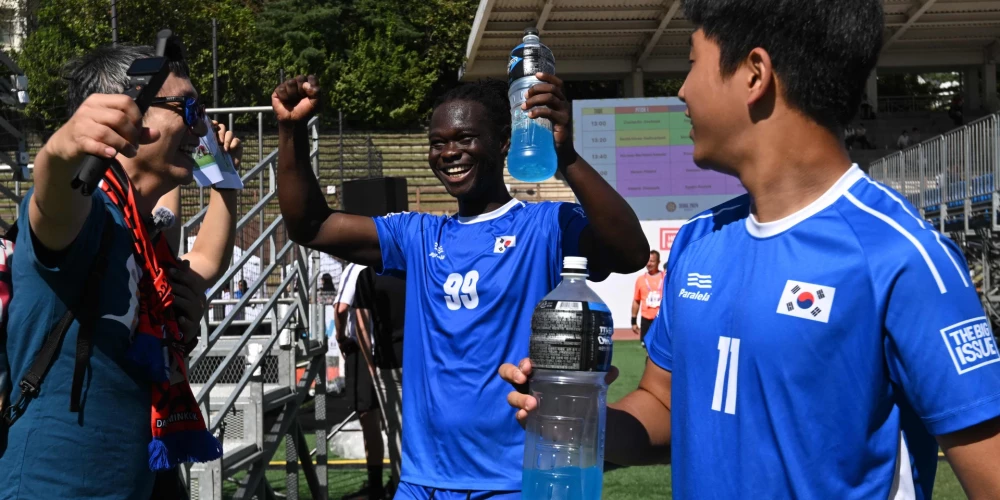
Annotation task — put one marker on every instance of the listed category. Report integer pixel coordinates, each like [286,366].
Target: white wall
[617,290]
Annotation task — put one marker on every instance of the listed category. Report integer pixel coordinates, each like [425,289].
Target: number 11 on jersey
[729,354]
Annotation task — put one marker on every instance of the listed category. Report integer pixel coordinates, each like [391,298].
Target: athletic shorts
[410,491]
[360,388]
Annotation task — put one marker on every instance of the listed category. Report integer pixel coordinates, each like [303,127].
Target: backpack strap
[31,382]
[89,303]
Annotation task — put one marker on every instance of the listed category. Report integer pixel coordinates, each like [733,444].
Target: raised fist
[296,99]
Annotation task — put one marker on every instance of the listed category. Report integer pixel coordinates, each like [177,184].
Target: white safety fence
[950,178]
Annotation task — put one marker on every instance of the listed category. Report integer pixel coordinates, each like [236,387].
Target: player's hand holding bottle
[549,101]
[518,377]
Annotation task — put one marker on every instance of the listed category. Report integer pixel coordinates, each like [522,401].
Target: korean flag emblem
[807,301]
[503,243]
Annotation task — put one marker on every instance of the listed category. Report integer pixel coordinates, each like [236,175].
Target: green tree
[667,87]
[60,36]
[381,61]
[383,84]
[305,36]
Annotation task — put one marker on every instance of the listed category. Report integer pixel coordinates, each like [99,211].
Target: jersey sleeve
[658,342]
[939,346]
[637,296]
[395,232]
[571,221]
[69,266]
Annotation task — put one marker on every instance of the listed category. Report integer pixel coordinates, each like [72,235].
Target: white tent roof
[609,38]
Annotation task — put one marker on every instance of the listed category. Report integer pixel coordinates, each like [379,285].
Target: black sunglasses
[194,110]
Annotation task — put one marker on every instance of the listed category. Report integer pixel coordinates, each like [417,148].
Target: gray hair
[103,70]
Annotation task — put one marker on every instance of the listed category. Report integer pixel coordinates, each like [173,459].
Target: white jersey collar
[768,229]
[489,215]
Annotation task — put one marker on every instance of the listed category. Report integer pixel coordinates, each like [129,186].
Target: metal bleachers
[952,179]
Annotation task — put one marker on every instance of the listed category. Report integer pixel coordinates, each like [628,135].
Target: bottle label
[571,335]
[526,61]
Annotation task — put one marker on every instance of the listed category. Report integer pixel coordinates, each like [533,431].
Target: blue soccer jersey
[471,287]
[818,355]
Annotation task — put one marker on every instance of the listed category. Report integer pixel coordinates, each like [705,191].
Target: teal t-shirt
[101,452]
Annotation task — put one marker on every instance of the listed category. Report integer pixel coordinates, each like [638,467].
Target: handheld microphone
[163,218]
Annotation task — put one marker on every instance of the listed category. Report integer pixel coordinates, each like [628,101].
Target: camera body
[146,77]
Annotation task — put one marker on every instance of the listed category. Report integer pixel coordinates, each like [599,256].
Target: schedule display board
[642,147]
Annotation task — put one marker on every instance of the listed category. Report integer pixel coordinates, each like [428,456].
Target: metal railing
[263,257]
[951,178]
[246,349]
[899,104]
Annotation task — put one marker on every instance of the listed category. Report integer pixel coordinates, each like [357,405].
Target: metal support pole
[114,22]
[260,156]
[321,430]
[340,135]
[291,466]
[302,449]
[215,64]
[260,136]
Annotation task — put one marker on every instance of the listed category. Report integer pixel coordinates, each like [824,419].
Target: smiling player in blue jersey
[816,339]
[472,279]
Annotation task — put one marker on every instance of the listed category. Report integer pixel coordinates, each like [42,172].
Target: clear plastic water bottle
[532,155]
[570,353]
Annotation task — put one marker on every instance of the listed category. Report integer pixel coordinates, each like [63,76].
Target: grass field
[623,484]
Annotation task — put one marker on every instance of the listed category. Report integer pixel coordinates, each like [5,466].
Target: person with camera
[115,405]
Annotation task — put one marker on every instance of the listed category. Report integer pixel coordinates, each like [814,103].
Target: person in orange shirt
[648,289]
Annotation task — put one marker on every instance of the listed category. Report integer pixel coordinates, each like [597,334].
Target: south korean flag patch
[807,301]
[503,243]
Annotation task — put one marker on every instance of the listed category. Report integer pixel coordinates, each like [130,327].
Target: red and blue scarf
[178,428]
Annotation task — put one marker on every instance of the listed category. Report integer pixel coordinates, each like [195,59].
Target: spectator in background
[359,377]
[326,283]
[915,136]
[861,137]
[226,309]
[850,135]
[857,135]
[241,289]
[381,304]
[648,291]
[903,141]
[867,111]
[957,111]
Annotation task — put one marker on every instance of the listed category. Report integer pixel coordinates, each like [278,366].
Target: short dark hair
[823,51]
[654,252]
[489,92]
[103,70]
